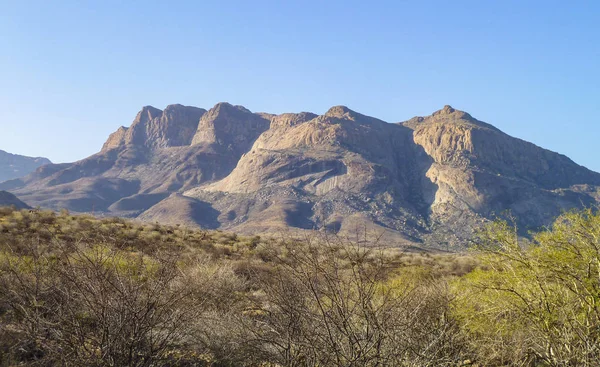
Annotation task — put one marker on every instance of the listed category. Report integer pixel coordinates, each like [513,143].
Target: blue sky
[71,72]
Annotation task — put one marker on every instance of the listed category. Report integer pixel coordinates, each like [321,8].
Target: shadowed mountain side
[8,199]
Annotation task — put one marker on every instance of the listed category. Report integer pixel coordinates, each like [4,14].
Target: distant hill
[428,181]
[14,165]
[8,199]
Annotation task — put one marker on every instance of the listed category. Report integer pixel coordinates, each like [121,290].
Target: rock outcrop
[153,128]
[479,169]
[230,128]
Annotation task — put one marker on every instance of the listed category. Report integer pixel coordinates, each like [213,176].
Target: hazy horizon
[73,73]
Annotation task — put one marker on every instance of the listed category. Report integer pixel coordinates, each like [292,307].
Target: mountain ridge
[13,166]
[427,180]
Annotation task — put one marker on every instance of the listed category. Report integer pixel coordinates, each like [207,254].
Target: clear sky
[71,72]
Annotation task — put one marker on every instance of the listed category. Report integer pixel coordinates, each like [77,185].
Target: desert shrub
[223,335]
[338,304]
[537,303]
[6,211]
[77,290]
[95,306]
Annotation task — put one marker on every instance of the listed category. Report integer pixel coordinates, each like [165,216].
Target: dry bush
[96,306]
[76,290]
[331,303]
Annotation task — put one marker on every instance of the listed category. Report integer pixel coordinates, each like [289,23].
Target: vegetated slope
[429,181]
[80,290]
[13,165]
[128,293]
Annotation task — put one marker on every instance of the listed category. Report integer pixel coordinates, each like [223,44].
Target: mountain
[428,181]
[13,165]
[8,199]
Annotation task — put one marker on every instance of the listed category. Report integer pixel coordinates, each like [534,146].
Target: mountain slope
[430,180]
[477,169]
[13,165]
[8,199]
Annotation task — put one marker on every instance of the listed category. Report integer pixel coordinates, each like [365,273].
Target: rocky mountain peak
[445,111]
[174,109]
[226,107]
[230,127]
[115,139]
[449,113]
[344,113]
[154,128]
[338,111]
[291,119]
[147,113]
[446,115]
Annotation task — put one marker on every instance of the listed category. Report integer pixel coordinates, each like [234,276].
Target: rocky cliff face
[427,181]
[229,128]
[153,128]
[13,165]
[479,169]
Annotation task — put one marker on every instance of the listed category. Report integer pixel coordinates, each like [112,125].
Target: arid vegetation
[81,291]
